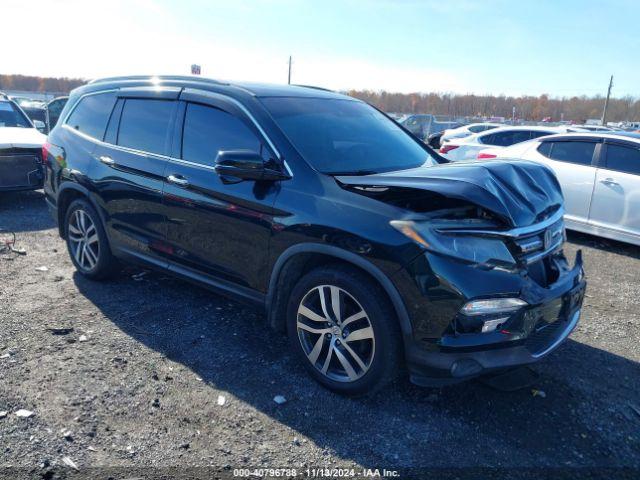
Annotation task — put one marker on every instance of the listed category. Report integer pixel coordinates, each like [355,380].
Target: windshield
[345,136]
[10,116]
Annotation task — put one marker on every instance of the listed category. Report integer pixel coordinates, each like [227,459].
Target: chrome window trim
[139,152]
[114,146]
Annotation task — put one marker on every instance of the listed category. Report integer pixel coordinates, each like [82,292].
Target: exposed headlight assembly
[471,248]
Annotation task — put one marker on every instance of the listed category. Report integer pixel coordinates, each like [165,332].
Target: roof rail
[195,78]
[314,87]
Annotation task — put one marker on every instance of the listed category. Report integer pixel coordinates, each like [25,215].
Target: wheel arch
[67,193]
[298,259]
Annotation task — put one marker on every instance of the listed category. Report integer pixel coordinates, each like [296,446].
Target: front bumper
[438,354]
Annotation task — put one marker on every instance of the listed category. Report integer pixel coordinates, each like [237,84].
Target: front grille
[532,247]
[20,170]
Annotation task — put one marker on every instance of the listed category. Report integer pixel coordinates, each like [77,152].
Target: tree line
[528,107]
[577,108]
[29,83]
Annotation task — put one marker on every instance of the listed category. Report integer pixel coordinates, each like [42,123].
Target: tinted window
[505,139]
[545,149]
[623,159]
[10,116]
[477,129]
[572,152]
[144,124]
[345,136]
[55,109]
[91,114]
[208,130]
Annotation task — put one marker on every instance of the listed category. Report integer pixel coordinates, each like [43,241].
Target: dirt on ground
[147,373]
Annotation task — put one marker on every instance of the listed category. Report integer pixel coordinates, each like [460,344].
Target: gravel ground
[153,372]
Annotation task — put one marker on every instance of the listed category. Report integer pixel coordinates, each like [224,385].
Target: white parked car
[600,178]
[467,148]
[467,130]
[20,149]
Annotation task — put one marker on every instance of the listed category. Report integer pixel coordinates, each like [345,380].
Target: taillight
[486,155]
[448,148]
[45,152]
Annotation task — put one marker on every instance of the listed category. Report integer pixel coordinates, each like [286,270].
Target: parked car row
[366,246]
[600,177]
[43,115]
[468,147]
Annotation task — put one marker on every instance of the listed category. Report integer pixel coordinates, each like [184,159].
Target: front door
[216,228]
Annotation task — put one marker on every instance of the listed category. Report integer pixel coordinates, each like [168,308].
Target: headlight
[474,249]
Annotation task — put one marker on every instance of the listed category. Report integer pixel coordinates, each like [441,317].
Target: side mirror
[245,165]
[40,125]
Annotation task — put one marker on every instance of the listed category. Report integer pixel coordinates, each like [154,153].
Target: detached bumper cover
[532,334]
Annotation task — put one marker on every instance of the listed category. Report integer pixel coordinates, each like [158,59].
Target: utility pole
[289,79]
[606,104]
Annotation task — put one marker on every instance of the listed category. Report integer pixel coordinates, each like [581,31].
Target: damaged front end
[505,215]
[492,274]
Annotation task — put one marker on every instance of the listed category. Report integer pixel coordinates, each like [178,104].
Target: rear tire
[87,242]
[344,331]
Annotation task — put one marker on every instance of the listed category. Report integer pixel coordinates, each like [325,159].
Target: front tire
[87,242]
[343,330]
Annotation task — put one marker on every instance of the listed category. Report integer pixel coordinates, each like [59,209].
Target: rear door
[616,197]
[129,171]
[217,229]
[573,162]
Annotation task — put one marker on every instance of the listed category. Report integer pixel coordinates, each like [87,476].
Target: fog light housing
[492,306]
[494,323]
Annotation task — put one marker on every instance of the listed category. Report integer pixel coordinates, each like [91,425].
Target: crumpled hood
[517,191]
[16,137]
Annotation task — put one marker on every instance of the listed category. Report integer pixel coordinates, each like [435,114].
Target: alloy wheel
[83,240]
[335,333]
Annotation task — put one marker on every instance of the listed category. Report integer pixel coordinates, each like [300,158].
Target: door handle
[178,180]
[609,181]
[107,160]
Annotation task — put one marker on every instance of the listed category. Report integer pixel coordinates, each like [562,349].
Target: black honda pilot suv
[360,242]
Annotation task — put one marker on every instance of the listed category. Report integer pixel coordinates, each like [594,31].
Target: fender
[358,261]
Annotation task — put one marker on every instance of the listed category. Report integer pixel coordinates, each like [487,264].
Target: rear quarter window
[545,149]
[91,114]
